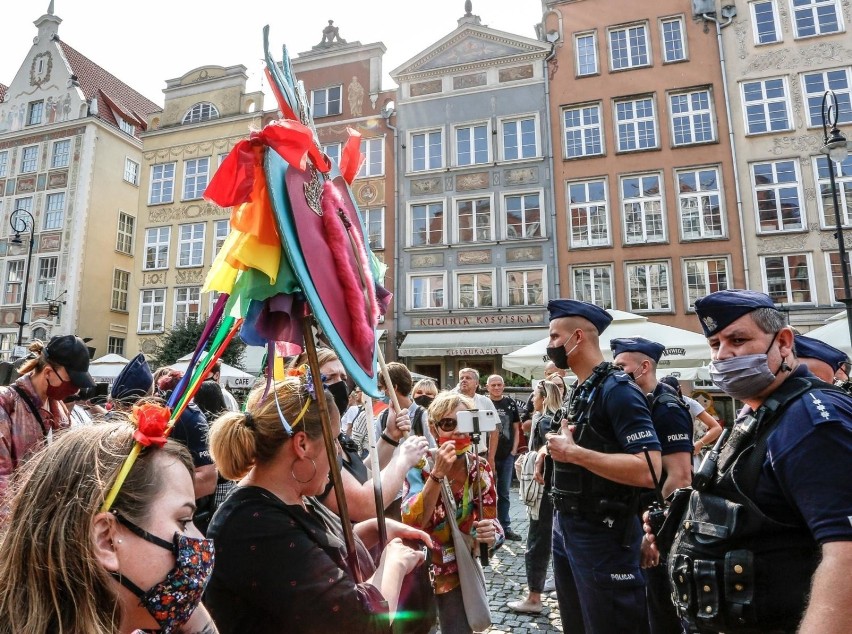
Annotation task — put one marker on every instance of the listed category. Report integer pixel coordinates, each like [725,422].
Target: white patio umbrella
[684,348]
[834,333]
[104,369]
[231,376]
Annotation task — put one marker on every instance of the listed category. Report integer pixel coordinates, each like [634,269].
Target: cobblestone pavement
[506,579]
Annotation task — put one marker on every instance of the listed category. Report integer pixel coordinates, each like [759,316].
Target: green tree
[181,341]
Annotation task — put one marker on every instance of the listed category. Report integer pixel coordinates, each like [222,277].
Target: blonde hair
[239,440]
[52,581]
[552,397]
[427,385]
[447,403]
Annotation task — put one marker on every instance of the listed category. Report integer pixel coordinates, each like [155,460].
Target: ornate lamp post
[836,149]
[19,225]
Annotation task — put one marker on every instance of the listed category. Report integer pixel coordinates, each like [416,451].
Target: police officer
[638,357]
[822,360]
[766,545]
[598,465]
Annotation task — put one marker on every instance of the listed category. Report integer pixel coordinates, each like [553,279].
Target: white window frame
[458,273]
[126,127]
[642,201]
[677,19]
[410,277]
[470,129]
[700,195]
[35,113]
[201,111]
[131,171]
[457,226]
[54,212]
[327,113]
[116,345]
[633,59]
[332,150]
[370,169]
[29,165]
[160,245]
[765,103]
[525,271]
[775,23]
[426,133]
[578,62]
[164,183]
[410,222]
[46,284]
[59,159]
[843,182]
[843,95]
[221,228]
[813,8]
[370,214]
[195,243]
[586,206]
[694,117]
[196,176]
[776,186]
[120,290]
[708,287]
[125,233]
[518,121]
[158,299]
[634,122]
[829,274]
[810,286]
[594,270]
[4,163]
[18,283]
[628,286]
[525,223]
[585,130]
[184,298]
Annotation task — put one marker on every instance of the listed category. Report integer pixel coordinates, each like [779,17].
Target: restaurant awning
[468,343]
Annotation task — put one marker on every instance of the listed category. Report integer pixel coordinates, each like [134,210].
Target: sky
[146,43]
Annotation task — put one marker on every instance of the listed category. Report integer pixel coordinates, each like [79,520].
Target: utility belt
[611,511]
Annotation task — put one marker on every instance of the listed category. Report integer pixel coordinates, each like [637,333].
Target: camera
[468,419]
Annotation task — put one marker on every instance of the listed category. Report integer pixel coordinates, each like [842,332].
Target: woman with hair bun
[66,566]
[281,561]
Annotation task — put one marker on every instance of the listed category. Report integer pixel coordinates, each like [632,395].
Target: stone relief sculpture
[356,97]
[331,35]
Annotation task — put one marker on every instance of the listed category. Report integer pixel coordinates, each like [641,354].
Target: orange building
[648,217]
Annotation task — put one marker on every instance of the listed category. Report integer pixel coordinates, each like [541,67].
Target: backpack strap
[26,398]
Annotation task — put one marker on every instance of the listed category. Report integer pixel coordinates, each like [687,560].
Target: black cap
[72,354]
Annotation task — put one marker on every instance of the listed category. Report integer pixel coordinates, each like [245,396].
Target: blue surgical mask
[744,376]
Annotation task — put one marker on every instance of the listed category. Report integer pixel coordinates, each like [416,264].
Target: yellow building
[70,155]
[206,112]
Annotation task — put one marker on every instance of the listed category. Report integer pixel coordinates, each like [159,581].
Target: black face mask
[424,400]
[341,397]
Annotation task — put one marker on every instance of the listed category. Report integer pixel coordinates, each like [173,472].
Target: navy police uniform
[596,533]
[749,543]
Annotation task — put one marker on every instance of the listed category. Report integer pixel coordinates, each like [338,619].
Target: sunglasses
[447,424]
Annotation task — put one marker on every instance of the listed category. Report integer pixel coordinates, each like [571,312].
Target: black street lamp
[20,225]
[836,150]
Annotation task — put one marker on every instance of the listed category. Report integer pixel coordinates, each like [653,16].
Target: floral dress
[443,560]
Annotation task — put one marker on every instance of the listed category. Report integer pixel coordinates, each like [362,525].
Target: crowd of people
[235,522]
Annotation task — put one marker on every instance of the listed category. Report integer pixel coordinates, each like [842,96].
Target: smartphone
[487,419]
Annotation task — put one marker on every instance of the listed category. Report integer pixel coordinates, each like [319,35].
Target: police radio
[707,470]
[657,509]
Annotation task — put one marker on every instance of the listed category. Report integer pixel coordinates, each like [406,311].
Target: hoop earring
[313,475]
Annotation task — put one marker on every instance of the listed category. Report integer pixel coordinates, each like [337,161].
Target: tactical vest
[576,490]
[733,568]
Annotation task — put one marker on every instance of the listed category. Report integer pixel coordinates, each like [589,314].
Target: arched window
[40,334]
[201,112]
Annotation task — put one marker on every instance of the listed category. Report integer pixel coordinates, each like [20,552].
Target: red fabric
[256,218]
[283,106]
[351,158]
[151,422]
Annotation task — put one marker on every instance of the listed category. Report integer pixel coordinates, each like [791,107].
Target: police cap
[573,308]
[811,348]
[134,381]
[647,347]
[718,310]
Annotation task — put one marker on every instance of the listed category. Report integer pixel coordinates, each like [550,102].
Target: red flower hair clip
[152,420]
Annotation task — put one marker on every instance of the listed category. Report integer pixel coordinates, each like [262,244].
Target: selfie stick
[474,437]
